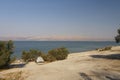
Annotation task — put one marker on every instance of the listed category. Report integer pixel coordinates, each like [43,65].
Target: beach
[89,65]
[59,39]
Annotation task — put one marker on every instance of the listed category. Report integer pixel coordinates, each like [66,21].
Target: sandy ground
[90,65]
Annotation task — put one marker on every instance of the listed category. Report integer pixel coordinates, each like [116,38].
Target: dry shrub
[59,53]
[14,76]
[104,49]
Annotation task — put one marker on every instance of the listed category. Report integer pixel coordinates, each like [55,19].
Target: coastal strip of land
[89,65]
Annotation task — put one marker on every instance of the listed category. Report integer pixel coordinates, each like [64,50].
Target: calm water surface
[72,46]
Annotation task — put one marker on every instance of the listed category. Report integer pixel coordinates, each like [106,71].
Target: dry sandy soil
[90,65]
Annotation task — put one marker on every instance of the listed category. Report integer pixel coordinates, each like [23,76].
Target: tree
[117,38]
[6,49]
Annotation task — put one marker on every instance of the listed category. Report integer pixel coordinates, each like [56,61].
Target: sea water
[72,46]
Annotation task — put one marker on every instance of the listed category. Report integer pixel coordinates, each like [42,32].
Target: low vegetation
[48,58]
[105,48]
[14,76]
[59,53]
[53,55]
[31,55]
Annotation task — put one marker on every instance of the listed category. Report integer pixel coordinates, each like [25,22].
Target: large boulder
[39,60]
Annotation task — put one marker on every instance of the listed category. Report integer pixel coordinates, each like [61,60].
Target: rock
[39,59]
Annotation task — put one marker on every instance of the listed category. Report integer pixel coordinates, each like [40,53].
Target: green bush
[53,55]
[6,49]
[59,53]
[30,55]
[48,58]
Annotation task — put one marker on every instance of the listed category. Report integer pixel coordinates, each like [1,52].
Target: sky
[67,20]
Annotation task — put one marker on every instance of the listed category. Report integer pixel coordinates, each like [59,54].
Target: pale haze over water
[56,20]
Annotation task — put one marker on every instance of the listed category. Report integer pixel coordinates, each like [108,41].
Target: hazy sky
[59,19]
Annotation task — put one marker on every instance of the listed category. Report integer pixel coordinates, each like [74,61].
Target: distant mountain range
[54,38]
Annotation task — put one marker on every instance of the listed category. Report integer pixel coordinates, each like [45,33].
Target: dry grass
[14,76]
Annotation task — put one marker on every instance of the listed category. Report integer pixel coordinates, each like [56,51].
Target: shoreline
[73,46]
[94,65]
